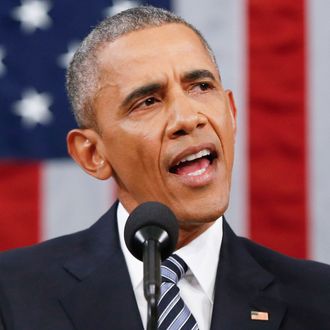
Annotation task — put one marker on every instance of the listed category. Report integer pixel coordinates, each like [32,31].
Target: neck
[186,235]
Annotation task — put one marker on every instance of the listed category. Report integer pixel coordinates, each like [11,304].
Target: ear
[232,107]
[85,146]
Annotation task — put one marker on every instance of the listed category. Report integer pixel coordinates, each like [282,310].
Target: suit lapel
[243,286]
[102,296]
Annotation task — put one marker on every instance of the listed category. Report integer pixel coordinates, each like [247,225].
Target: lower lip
[200,180]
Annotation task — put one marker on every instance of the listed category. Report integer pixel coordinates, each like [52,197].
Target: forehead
[154,49]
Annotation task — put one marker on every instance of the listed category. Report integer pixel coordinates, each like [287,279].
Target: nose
[184,117]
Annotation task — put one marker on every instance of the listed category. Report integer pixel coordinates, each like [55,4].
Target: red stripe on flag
[19,204]
[277,128]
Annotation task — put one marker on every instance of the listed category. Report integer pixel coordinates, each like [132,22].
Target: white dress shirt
[197,286]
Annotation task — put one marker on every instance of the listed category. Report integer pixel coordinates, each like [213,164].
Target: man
[153,114]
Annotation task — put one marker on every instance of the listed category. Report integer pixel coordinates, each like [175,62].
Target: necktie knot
[172,269]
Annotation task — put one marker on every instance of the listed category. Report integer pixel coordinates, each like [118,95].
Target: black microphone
[151,234]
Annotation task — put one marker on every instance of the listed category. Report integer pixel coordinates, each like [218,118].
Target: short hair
[83,74]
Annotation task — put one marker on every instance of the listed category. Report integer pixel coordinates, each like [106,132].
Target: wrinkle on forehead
[151,37]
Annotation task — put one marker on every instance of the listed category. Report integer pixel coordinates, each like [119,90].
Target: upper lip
[192,150]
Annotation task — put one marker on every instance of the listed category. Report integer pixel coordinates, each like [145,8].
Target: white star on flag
[65,59]
[33,14]
[120,5]
[34,108]
[2,56]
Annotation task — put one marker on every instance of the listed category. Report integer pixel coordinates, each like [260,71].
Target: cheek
[145,133]
[221,121]
[131,146]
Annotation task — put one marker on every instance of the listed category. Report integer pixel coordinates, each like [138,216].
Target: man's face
[167,126]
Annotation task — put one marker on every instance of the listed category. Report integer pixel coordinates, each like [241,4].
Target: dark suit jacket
[81,282]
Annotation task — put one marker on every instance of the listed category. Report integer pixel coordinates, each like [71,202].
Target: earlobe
[233,109]
[85,147]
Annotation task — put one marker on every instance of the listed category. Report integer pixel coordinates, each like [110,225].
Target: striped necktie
[173,312]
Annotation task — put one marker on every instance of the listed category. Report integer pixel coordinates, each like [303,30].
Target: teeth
[198,172]
[200,154]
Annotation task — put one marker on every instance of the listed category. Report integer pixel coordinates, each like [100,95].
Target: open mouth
[194,164]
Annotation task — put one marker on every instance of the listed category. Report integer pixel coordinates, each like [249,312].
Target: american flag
[274,55]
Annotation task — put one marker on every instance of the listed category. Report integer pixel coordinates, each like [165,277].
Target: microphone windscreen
[151,214]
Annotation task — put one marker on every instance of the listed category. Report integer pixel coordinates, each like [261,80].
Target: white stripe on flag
[318,33]
[72,200]
[223,23]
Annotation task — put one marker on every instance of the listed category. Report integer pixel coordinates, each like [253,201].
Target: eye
[145,104]
[201,87]
[149,101]
[204,86]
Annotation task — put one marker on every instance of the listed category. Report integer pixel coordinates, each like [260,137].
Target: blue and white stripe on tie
[173,314]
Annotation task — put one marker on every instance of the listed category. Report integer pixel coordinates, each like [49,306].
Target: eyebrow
[197,74]
[141,92]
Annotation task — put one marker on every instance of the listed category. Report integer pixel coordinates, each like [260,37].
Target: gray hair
[83,74]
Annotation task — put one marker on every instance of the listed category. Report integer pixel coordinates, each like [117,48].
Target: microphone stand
[151,243]
[151,285]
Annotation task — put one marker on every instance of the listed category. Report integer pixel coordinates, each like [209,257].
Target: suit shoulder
[290,270]
[55,249]
[49,255]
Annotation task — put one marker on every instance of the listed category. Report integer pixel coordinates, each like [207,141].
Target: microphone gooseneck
[151,234]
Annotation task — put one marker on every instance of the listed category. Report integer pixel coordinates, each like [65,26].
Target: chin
[202,212]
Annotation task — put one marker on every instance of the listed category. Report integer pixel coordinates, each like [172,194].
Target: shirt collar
[201,255]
